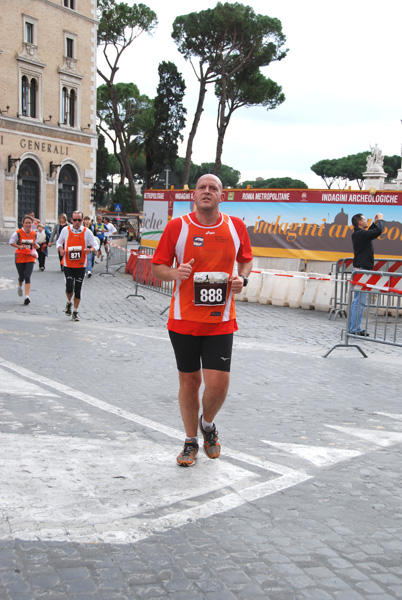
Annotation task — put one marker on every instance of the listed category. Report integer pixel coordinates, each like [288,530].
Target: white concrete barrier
[296,290]
[319,293]
[268,282]
[311,291]
[251,292]
[280,289]
[324,299]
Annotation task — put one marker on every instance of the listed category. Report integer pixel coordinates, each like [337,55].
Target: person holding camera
[363,249]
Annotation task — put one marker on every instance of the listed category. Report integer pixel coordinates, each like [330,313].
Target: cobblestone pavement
[304,502]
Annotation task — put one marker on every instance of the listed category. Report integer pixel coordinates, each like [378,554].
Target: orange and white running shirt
[27,240]
[74,243]
[204,303]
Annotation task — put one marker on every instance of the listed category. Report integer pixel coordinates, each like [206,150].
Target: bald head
[209,177]
[207,196]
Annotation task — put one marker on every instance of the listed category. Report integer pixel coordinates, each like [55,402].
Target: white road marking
[70,484]
[231,501]
[62,488]
[390,415]
[320,456]
[11,384]
[374,436]
[89,490]
[100,404]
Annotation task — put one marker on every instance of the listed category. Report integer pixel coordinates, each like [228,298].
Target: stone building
[48,135]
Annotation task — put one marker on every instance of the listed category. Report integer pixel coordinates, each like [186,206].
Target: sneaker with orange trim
[212,447]
[188,455]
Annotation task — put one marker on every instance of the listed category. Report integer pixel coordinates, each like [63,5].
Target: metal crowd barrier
[383,310]
[116,254]
[343,273]
[144,277]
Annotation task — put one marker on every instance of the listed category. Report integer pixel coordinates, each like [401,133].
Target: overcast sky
[341,78]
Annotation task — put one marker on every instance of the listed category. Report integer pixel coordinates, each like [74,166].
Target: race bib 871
[75,252]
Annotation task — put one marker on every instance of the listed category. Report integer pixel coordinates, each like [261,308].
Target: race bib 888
[210,289]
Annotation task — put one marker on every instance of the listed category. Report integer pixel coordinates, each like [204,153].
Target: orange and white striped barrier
[121,248]
[378,283]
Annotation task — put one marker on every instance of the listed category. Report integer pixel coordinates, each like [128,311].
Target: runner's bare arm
[167,273]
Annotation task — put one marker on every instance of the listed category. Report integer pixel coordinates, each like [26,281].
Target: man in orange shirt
[206,246]
[74,244]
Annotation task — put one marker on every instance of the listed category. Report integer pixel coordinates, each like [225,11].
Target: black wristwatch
[245,280]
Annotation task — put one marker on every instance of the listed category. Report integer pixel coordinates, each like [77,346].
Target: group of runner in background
[33,239]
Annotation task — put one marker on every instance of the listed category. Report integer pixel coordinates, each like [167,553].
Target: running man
[206,245]
[74,244]
[91,255]
[100,230]
[111,230]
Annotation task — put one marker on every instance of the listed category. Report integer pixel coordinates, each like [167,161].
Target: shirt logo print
[198,241]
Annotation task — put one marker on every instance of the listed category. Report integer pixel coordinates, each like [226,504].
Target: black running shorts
[209,351]
[25,271]
[74,280]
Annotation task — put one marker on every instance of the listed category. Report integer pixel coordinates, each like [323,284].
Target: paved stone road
[304,502]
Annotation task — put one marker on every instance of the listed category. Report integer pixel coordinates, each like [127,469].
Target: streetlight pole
[167,171]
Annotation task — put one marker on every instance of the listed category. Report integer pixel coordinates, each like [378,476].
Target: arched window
[24,95]
[67,190]
[32,98]
[69,106]
[28,191]
[71,118]
[64,106]
[29,92]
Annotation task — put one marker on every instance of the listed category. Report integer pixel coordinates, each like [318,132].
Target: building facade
[48,137]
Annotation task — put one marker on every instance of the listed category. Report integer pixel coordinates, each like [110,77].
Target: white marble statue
[375,160]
